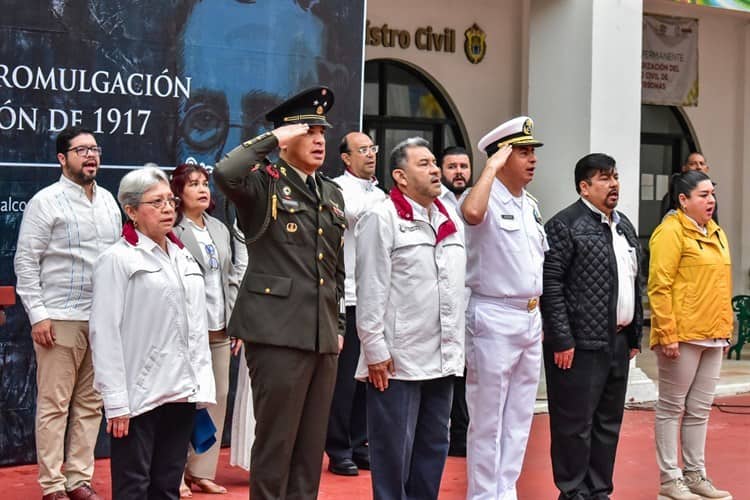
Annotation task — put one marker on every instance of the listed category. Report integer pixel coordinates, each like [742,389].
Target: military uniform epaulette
[532,198]
[256,140]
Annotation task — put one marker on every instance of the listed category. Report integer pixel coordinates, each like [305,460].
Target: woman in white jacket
[152,363]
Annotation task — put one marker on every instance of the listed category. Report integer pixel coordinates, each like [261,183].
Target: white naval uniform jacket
[410,282]
[148,329]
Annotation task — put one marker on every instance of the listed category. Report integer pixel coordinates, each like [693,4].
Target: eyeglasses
[364,149]
[159,204]
[213,262]
[84,151]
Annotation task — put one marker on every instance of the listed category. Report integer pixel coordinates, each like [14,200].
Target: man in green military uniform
[287,310]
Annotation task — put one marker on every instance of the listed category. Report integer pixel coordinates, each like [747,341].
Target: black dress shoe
[343,467]
[362,462]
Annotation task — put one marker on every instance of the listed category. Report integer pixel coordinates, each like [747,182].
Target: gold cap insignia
[528,127]
[319,110]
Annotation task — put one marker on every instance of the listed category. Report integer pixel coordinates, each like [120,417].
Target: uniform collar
[302,175]
[505,195]
[605,219]
[405,209]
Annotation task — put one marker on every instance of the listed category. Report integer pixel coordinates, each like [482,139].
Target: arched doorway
[400,102]
[666,140]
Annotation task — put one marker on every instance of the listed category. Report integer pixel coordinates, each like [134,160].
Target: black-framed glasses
[159,204]
[84,151]
[213,262]
[363,150]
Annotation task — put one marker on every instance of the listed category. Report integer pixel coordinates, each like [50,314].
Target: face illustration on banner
[243,60]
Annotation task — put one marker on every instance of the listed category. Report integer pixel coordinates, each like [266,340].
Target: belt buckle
[531,305]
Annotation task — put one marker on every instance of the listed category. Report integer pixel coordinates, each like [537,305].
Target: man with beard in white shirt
[346,441]
[455,174]
[65,227]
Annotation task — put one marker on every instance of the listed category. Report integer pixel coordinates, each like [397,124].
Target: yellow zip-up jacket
[689,282]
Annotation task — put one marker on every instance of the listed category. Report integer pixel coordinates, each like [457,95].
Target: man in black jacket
[592,314]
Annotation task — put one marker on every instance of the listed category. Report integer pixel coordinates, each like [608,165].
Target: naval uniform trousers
[586,404]
[408,429]
[292,391]
[347,424]
[503,358]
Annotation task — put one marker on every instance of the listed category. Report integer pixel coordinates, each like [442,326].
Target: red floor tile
[636,474]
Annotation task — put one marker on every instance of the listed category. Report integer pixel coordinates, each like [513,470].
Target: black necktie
[310,181]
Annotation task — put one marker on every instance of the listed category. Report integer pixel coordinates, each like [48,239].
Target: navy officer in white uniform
[505,243]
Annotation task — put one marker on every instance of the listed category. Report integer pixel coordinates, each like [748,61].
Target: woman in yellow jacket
[690,291]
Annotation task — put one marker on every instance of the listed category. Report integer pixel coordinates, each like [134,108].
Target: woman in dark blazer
[208,240]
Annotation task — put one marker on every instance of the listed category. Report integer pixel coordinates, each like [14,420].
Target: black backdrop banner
[163,81]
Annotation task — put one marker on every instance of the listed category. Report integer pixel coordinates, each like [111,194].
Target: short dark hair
[590,165]
[179,178]
[67,135]
[687,158]
[344,144]
[398,153]
[684,183]
[451,150]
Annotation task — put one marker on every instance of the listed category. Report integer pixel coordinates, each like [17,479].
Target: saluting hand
[498,159]
[288,132]
[380,372]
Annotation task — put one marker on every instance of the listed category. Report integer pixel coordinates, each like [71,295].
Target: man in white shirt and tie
[65,227]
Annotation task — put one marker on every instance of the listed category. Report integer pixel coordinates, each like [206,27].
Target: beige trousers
[203,466]
[68,409]
[687,386]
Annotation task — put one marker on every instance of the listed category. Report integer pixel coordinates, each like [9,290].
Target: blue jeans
[407,428]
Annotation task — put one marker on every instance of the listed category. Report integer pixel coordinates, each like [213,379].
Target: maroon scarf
[405,211]
[128,232]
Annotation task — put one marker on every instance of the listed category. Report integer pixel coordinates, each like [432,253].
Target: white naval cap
[519,131]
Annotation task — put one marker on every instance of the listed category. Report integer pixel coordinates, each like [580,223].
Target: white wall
[485,94]
[721,120]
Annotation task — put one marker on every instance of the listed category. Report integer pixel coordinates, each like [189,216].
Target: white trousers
[503,357]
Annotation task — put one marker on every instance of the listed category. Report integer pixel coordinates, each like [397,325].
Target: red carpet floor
[636,474]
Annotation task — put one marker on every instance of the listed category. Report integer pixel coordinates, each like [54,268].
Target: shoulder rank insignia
[337,210]
[537,216]
[272,171]
[254,140]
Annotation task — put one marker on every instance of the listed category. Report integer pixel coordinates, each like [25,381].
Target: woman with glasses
[150,353]
[208,240]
